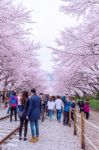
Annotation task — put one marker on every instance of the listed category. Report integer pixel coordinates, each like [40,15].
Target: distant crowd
[30,107]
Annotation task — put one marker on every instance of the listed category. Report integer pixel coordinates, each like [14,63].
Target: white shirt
[51,105]
[19,100]
[58,104]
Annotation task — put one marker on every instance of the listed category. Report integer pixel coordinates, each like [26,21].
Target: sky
[49,22]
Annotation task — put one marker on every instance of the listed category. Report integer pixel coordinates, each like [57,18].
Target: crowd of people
[30,107]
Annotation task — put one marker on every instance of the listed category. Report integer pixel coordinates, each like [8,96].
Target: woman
[87,108]
[19,99]
[13,103]
[23,110]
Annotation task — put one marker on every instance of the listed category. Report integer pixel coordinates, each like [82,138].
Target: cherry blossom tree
[19,66]
[77,50]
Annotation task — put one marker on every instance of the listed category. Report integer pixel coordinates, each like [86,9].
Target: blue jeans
[8,111]
[59,112]
[50,114]
[34,128]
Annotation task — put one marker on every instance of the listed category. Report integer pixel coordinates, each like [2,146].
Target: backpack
[21,111]
[13,101]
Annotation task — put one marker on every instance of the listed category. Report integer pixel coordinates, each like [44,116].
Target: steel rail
[9,135]
[2,118]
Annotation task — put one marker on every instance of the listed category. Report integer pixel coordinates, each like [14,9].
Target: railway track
[2,118]
[3,140]
[7,129]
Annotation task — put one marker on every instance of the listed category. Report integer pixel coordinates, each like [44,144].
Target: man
[34,115]
[43,105]
[67,106]
[59,106]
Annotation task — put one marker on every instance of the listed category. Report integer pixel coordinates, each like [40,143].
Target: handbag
[21,111]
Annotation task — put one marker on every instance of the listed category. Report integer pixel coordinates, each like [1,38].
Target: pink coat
[86,107]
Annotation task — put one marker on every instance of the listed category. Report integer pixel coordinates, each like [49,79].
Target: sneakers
[37,138]
[64,124]
[24,138]
[34,139]
[20,138]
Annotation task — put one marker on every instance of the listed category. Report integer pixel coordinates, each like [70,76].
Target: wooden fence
[83,136]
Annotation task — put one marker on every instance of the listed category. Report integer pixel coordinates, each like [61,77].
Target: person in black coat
[23,113]
[43,107]
[34,115]
[81,106]
[73,106]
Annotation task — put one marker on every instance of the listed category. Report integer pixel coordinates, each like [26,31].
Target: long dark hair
[24,97]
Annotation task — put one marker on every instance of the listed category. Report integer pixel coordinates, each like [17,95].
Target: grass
[94,104]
